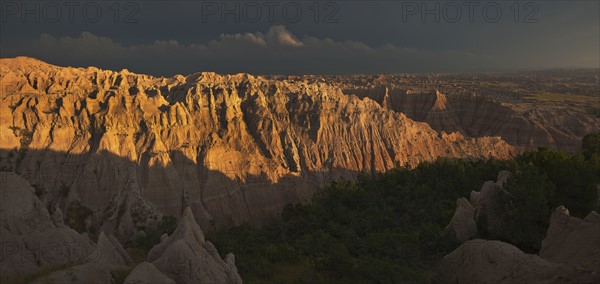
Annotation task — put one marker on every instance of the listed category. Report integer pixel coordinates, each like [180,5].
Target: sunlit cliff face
[236,148]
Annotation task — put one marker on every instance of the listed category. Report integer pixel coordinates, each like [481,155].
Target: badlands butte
[129,148]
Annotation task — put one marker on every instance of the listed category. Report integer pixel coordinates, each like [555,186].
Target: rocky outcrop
[481,261]
[107,258]
[479,116]
[463,226]
[570,254]
[86,273]
[30,239]
[187,258]
[489,207]
[146,273]
[235,148]
[110,252]
[128,214]
[33,241]
[572,240]
[492,203]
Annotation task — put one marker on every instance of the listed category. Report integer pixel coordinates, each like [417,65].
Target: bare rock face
[146,273]
[58,218]
[86,273]
[570,254]
[487,205]
[490,203]
[187,258]
[21,212]
[572,240]
[481,261]
[110,252]
[478,116]
[107,257]
[128,213]
[30,240]
[463,224]
[234,148]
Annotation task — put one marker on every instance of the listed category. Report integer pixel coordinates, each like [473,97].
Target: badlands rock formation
[481,261]
[146,273]
[32,242]
[463,226]
[572,240]
[479,116]
[484,204]
[107,257]
[234,148]
[186,257]
[570,252]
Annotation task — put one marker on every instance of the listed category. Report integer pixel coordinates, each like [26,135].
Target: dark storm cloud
[168,37]
[277,49]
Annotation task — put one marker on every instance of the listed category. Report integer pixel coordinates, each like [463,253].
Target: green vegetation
[143,245]
[557,97]
[119,275]
[138,255]
[590,145]
[139,248]
[389,228]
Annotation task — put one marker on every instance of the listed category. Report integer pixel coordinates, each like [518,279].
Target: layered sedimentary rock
[29,238]
[33,242]
[187,258]
[481,261]
[571,240]
[234,148]
[477,116]
[146,273]
[487,206]
[107,258]
[570,252]
[463,226]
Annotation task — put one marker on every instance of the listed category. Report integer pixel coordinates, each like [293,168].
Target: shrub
[166,225]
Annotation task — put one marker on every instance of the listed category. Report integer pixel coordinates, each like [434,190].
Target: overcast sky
[170,37]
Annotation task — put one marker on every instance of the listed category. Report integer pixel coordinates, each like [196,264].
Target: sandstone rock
[187,258]
[488,206]
[91,273]
[146,273]
[29,237]
[129,214]
[107,258]
[236,149]
[572,240]
[21,212]
[32,241]
[481,261]
[476,116]
[110,252]
[492,202]
[463,224]
[16,259]
[57,218]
